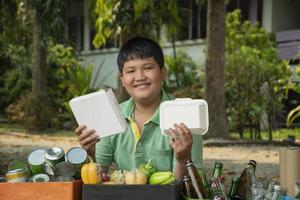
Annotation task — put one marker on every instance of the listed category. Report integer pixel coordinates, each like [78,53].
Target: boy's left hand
[182,142]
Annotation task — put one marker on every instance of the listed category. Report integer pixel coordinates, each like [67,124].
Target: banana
[160,177]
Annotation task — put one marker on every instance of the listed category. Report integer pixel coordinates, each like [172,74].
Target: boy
[142,72]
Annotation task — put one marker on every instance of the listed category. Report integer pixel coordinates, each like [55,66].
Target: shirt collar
[129,107]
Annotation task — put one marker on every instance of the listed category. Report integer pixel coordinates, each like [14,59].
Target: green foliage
[278,135]
[16,78]
[295,112]
[255,77]
[67,79]
[135,17]
[184,77]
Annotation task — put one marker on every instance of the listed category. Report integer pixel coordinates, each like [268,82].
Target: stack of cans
[45,165]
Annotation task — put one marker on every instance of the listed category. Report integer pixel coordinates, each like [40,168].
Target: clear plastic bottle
[269,190]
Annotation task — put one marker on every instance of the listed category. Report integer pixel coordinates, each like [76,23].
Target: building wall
[109,71]
[286,15]
[280,15]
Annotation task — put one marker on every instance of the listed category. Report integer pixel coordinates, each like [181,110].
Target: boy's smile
[143,79]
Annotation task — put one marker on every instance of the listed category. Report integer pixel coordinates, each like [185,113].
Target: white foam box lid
[100,111]
[192,112]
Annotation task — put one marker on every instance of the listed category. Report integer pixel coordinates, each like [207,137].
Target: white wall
[109,70]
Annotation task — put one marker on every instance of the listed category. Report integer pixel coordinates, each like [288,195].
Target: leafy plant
[294,114]
[184,77]
[255,77]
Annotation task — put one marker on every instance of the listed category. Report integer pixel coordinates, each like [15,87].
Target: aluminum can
[35,160]
[54,156]
[39,178]
[16,175]
[78,157]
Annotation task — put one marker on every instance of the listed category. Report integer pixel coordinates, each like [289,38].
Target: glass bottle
[196,180]
[269,190]
[297,190]
[246,181]
[188,188]
[217,169]
[206,182]
[233,187]
[276,195]
[218,192]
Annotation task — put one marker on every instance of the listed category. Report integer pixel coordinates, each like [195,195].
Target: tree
[134,17]
[214,69]
[46,19]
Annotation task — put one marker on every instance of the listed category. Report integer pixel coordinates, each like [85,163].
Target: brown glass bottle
[196,180]
[188,188]
[246,179]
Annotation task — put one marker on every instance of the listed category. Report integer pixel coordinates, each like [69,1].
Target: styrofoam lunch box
[192,112]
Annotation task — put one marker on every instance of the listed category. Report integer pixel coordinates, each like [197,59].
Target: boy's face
[143,79]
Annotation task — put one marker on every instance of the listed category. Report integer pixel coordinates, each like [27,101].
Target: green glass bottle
[233,187]
[217,169]
[206,182]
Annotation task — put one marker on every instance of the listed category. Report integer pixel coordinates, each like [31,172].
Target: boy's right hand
[87,138]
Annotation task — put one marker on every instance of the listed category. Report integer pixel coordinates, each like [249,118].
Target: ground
[234,157]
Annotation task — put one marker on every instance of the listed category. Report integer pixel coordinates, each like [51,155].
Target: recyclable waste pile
[47,165]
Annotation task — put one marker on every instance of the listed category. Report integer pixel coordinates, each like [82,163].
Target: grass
[279,134]
[8,127]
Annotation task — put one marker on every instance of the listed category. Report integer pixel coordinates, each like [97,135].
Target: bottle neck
[233,188]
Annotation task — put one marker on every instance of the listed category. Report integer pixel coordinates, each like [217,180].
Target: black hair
[140,48]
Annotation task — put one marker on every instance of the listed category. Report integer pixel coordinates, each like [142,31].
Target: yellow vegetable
[91,173]
[135,177]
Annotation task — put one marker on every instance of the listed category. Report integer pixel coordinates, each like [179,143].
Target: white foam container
[192,112]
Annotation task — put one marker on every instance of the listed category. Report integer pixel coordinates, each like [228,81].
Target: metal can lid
[54,153]
[39,178]
[37,157]
[76,155]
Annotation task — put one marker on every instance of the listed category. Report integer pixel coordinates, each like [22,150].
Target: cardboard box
[131,192]
[41,191]
[289,165]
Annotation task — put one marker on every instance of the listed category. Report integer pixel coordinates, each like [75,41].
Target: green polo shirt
[122,150]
